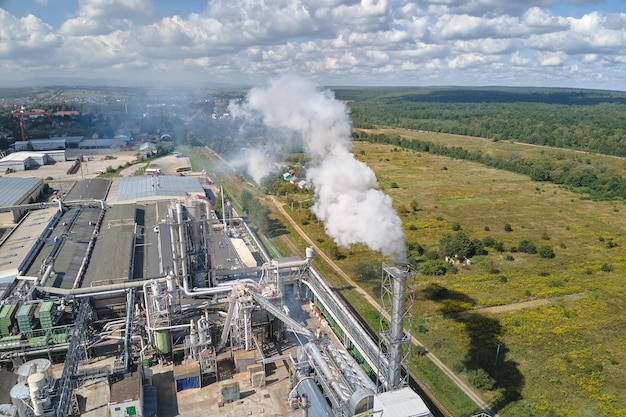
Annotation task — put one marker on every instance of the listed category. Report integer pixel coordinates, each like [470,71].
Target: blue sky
[563,43]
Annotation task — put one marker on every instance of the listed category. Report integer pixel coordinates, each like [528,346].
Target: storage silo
[34,366]
[20,397]
[38,394]
[163,341]
[8,410]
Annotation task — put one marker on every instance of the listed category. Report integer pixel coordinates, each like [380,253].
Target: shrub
[412,227]
[394,185]
[488,241]
[509,258]
[49,178]
[487,229]
[499,246]
[546,252]
[434,267]
[508,228]
[606,267]
[527,246]
[458,367]
[456,227]
[481,379]
[503,279]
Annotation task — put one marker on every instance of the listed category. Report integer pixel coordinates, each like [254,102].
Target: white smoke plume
[347,199]
[257,162]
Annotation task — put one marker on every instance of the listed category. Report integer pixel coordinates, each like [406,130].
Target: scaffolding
[396,315]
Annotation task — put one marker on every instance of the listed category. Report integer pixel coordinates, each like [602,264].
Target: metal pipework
[340,390]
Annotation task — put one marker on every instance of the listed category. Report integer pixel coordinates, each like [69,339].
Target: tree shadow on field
[276,228]
[486,354]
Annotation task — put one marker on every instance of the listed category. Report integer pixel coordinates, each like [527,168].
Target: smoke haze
[347,199]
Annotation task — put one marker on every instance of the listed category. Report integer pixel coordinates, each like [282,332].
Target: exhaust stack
[397,310]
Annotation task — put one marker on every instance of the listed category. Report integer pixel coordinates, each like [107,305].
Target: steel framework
[396,315]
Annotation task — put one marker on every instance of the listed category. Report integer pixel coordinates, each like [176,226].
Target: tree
[434,267]
[458,244]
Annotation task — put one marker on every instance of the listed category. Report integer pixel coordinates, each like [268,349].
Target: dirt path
[529,304]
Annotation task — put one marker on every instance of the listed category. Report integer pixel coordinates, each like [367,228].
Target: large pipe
[340,389]
[46,275]
[91,291]
[346,321]
[318,405]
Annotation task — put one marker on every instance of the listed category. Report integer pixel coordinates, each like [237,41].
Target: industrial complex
[131,297]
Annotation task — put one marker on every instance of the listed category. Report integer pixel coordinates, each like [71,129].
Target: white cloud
[552,59]
[97,17]
[539,20]
[331,41]
[25,39]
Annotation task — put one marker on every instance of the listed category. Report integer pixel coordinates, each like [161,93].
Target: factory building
[22,161]
[48,144]
[157,281]
[16,192]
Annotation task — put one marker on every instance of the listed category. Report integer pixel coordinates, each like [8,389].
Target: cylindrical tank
[34,366]
[20,397]
[8,410]
[36,382]
[310,253]
[156,288]
[38,395]
[319,405]
[204,332]
[162,341]
[361,401]
[171,284]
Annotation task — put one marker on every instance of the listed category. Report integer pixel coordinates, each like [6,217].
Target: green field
[551,333]
[560,322]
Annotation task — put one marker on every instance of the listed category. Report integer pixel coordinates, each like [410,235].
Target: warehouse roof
[95,188]
[115,242]
[14,189]
[19,242]
[146,187]
[22,156]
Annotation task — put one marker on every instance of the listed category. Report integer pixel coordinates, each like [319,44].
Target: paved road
[462,385]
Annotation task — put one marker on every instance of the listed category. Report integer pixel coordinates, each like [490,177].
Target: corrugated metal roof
[95,188]
[12,190]
[100,143]
[143,187]
[22,156]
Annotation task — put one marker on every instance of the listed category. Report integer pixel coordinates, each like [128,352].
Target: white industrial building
[22,161]
[15,192]
[48,144]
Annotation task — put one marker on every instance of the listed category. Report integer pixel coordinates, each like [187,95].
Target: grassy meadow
[551,333]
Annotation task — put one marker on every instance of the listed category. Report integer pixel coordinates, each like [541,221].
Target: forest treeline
[587,120]
[597,180]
